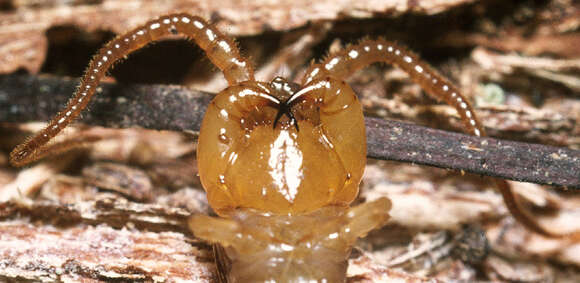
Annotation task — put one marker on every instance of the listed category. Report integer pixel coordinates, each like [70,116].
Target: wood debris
[124,218]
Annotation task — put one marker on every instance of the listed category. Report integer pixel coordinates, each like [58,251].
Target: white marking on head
[287,175]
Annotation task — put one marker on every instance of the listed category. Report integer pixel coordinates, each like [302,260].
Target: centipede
[281,162]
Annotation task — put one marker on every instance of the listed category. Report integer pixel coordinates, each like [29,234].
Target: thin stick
[180,109]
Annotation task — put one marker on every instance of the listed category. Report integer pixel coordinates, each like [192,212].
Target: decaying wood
[541,67]
[23,44]
[425,199]
[104,209]
[131,192]
[175,108]
[92,254]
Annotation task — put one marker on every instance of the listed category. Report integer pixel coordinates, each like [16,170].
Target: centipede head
[281,148]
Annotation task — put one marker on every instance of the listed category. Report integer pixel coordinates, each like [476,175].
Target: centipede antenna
[221,50]
[344,63]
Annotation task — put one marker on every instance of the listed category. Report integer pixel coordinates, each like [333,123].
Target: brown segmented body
[285,157]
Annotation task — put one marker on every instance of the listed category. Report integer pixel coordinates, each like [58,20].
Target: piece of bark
[175,108]
[24,44]
[99,254]
[553,43]
[30,179]
[550,29]
[428,200]
[103,209]
[366,269]
[131,182]
[500,269]
[551,69]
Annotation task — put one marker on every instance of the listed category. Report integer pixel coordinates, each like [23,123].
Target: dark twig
[30,98]
[391,140]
